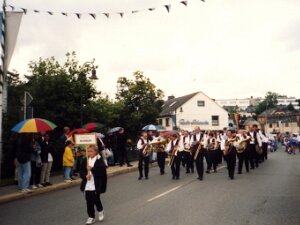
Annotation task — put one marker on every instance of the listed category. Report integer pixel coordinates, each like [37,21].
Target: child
[94,180]
[68,161]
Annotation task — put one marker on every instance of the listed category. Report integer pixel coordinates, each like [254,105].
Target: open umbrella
[78,131]
[92,126]
[113,130]
[169,133]
[34,125]
[150,127]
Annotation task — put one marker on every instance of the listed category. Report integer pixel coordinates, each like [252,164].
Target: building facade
[195,109]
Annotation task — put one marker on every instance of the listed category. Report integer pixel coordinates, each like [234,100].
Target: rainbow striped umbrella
[34,125]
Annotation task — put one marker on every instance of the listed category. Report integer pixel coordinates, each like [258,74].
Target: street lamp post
[81,76]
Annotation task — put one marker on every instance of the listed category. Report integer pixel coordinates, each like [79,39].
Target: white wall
[202,115]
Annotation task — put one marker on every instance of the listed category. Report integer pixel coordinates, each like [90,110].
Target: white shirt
[90,184]
[140,145]
[180,145]
[257,137]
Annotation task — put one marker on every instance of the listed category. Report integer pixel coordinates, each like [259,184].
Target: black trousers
[35,173]
[92,200]
[243,157]
[143,164]
[212,156]
[265,151]
[199,165]
[175,166]
[161,161]
[253,156]
[220,156]
[189,162]
[123,158]
[231,161]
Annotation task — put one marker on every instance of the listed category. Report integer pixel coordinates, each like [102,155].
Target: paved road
[268,195]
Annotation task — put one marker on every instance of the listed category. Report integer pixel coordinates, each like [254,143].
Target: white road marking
[173,189]
[164,193]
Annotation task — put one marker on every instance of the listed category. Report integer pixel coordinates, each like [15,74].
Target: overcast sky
[225,48]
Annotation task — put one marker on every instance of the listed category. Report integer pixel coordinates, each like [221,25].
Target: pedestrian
[68,161]
[47,161]
[230,152]
[94,182]
[121,146]
[23,153]
[36,164]
[197,143]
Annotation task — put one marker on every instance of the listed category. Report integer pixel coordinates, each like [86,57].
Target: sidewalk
[11,192]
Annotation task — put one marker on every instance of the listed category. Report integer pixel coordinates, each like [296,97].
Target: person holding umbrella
[121,146]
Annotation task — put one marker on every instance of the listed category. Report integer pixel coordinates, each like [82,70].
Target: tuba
[229,145]
[242,145]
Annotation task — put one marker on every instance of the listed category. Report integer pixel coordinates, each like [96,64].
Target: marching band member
[229,151]
[144,157]
[265,141]
[212,154]
[243,152]
[187,156]
[197,145]
[254,146]
[161,154]
[175,148]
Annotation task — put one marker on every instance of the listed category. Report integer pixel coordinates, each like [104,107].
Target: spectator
[64,137]
[121,146]
[36,163]
[298,141]
[23,153]
[47,161]
[68,161]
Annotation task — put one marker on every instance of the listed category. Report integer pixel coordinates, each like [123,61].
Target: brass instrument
[187,148]
[198,150]
[146,150]
[173,154]
[242,145]
[158,146]
[229,145]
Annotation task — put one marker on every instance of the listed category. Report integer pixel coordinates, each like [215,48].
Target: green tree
[290,107]
[269,102]
[141,102]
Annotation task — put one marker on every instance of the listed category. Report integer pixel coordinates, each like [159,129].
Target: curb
[60,186]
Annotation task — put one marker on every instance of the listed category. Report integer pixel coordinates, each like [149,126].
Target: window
[270,125]
[167,122]
[201,103]
[160,122]
[215,120]
[181,110]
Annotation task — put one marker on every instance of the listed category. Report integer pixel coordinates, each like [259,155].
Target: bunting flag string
[93,14]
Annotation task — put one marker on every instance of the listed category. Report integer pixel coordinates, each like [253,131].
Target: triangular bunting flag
[106,14]
[121,14]
[151,9]
[184,3]
[168,8]
[135,11]
[50,13]
[78,15]
[36,11]
[12,7]
[64,14]
[93,15]
[24,10]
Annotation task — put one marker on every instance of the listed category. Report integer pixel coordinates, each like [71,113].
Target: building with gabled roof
[195,109]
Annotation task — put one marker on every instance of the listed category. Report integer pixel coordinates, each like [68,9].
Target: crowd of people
[185,150]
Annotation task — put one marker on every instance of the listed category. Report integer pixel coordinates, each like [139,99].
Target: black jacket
[46,148]
[99,173]
[24,149]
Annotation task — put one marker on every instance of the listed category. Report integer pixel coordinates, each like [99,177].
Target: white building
[195,109]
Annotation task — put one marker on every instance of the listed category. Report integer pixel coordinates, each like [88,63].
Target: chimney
[171,97]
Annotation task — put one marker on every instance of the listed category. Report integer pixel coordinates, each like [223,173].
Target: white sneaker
[28,190]
[40,185]
[68,181]
[90,221]
[101,216]
[34,187]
